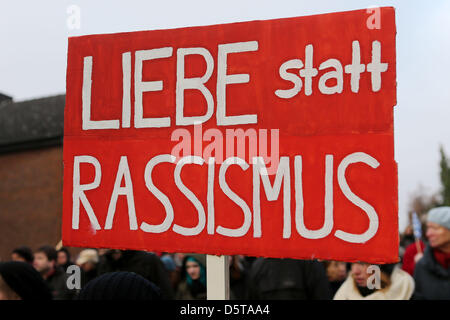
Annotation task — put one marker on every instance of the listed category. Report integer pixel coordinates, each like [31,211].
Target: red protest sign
[264,138]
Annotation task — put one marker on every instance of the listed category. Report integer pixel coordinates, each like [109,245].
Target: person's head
[23,254]
[121,285]
[438,228]
[45,259]
[88,259]
[336,270]
[114,254]
[408,230]
[20,281]
[361,273]
[178,258]
[195,270]
[63,257]
[168,262]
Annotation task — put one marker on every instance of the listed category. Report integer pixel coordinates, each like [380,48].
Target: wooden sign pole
[217,277]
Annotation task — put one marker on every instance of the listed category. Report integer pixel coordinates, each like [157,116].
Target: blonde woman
[362,283]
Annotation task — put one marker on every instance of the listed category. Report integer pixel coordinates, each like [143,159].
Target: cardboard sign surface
[264,138]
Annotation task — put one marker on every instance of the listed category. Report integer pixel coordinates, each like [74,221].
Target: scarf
[442,258]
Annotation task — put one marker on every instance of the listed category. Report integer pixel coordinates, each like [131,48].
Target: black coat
[143,263]
[288,279]
[432,280]
[57,283]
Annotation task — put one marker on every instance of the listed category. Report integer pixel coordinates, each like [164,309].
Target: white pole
[217,277]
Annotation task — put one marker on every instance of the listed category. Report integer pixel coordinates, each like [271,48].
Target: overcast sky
[34,50]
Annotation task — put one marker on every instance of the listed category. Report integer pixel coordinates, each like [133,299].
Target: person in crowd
[238,277]
[192,285]
[120,285]
[20,281]
[143,263]
[362,284]
[102,251]
[168,261]
[178,259]
[413,250]
[413,253]
[432,272]
[55,277]
[63,259]
[288,279]
[336,273]
[172,269]
[87,261]
[249,261]
[22,253]
[406,238]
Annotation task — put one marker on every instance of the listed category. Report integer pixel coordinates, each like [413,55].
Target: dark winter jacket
[185,293]
[57,283]
[288,279]
[143,263]
[88,276]
[432,280]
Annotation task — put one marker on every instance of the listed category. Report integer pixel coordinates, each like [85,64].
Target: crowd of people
[104,274]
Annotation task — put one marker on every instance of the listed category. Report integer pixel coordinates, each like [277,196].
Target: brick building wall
[30,198]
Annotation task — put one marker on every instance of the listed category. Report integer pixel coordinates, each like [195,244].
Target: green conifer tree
[445,178]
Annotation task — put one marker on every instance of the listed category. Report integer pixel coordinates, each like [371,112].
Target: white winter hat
[87,255]
[440,215]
